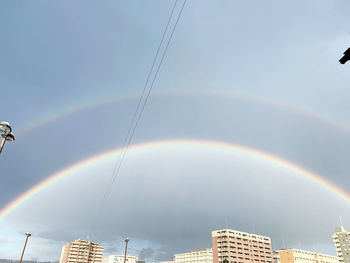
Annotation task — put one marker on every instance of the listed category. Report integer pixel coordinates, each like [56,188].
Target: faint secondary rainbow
[248,97]
[259,155]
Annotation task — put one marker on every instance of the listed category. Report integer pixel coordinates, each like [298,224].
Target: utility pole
[126,248]
[25,244]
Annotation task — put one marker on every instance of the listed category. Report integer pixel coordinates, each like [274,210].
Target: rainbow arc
[258,155]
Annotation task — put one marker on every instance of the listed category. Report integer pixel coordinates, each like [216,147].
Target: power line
[148,94]
[139,109]
[110,182]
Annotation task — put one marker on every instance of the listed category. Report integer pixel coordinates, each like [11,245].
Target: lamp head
[5,127]
[9,137]
[28,234]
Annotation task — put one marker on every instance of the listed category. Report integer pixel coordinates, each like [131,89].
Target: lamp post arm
[2,142]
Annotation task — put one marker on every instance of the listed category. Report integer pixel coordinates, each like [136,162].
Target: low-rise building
[195,256]
[120,259]
[276,257]
[302,256]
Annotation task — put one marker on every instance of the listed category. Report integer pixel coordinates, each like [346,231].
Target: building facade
[341,240]
[276,257]
[195,256]
[301,256]
[81,251]
[241,247]
[120,259]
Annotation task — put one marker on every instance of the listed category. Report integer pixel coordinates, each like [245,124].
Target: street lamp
[6,134]
[346,56]
[25,244]
[126,248]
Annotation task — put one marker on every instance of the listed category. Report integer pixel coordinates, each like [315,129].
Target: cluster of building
[228,246]
[84,251]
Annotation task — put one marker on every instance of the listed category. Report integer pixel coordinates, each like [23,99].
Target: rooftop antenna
[284,244]
[253,229]
[341,222]
[226,223]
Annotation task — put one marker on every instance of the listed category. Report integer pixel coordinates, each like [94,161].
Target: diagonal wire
[110,182]
[138,112]
[149,92]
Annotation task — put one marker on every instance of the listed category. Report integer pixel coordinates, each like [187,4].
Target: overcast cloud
[229,70]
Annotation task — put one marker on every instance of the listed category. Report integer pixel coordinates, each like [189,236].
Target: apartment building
[195,256]
[81,251]
[276,257]
[301,256]
[341,240]
[240,247]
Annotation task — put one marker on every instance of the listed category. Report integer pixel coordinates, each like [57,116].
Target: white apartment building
[120,259]
[195,256]
[276,257]
[302,256]
[81,251]
[240,247]
[341,240]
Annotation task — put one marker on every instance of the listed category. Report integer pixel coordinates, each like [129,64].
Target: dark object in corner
[346,56]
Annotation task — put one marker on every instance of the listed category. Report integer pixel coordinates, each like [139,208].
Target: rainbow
[88,105]
[242,150]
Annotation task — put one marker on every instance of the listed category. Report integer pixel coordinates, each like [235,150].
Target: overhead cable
[139,109]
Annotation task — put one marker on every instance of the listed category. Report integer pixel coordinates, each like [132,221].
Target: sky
[257,74]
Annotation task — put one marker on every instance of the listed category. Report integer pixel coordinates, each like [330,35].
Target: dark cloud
[275,50]
[151,254]
[113,246]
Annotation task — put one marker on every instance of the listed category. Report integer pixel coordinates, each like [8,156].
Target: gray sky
[241,72]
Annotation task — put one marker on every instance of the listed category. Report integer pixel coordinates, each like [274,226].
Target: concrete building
[301,256]
[341,240]
[81,251]
[195,256]
[120,259]
[276,257]
[241,247]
